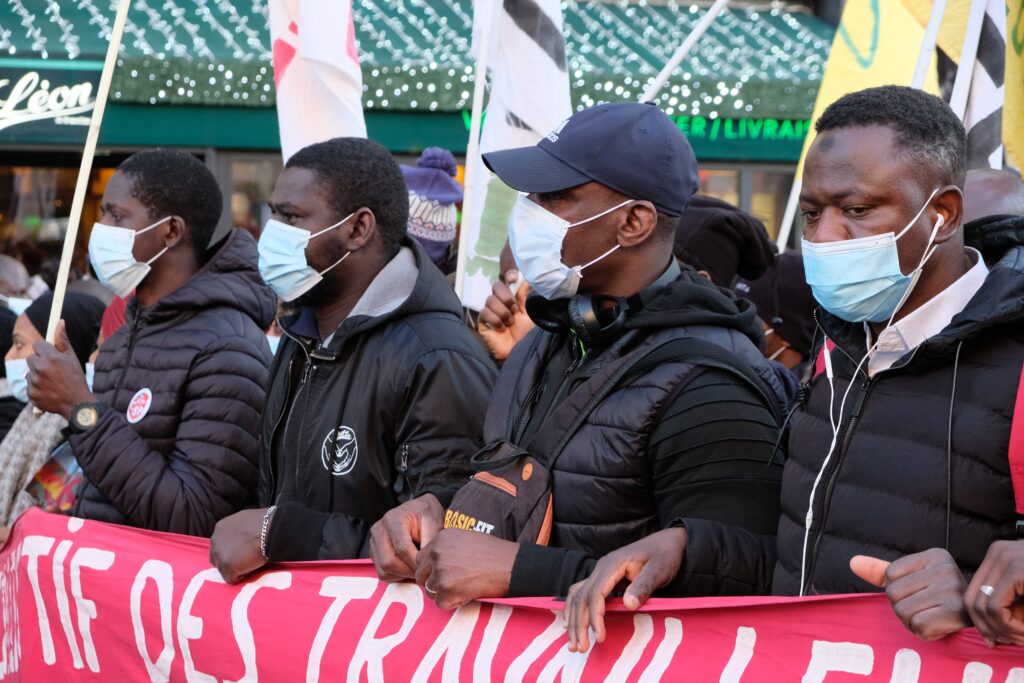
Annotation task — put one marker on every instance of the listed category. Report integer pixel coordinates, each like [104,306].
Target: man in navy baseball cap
[592,235]
[631,148]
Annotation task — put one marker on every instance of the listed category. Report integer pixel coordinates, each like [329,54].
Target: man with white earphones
[899,464]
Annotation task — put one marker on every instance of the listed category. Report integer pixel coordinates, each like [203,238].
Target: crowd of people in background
[652,402]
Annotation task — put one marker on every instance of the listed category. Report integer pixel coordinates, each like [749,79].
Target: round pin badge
[140,405]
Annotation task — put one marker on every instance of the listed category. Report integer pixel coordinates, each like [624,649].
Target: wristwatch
[85,415]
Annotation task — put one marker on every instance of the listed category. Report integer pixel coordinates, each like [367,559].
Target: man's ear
[640,223]
[363,229]
[948,203]
[176,231]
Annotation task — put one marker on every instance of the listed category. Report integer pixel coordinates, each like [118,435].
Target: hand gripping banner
[85,601]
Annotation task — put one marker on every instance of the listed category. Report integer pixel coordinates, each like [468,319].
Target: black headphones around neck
[597,320]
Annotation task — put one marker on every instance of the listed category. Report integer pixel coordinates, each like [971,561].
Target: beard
[327,289]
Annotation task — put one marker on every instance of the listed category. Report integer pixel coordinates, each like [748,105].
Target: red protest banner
[85,601]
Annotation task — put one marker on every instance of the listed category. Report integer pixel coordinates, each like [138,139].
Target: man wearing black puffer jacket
[898,476]
[167,438]
[378,389]
[681,441]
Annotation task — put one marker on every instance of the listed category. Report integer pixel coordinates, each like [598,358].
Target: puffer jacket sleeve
[211,471]
[437,431]
[441,424]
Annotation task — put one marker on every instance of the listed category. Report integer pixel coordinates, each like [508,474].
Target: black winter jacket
[390,408]
[634,466]
[195,364]
[938,420]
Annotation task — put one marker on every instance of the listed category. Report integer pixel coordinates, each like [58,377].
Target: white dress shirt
[927,321]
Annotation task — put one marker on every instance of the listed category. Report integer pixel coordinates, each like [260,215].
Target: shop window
[252,183]
[722,184]
[770,191]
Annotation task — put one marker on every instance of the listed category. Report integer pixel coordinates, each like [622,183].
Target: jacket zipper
[833,477]
[532,399]
[136,323]
[403,467]
[287,396]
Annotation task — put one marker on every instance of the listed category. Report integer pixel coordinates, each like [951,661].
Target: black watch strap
[85,416]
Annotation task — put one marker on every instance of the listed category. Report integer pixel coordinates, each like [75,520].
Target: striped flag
[316,71]
[529,96]
[984,118]
[992,102]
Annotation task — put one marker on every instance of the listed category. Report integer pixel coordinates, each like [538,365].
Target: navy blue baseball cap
[629,147]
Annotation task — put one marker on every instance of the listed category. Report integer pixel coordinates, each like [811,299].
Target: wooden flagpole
[88,153]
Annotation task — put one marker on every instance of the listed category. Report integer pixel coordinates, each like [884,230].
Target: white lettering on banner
[451,645]
[568,666]
[10,636]
[742,653]
[99,560]
[976,672]
[371,651]
[163,576]
[500,614]
[849,658]
[906,667]
[191,627]
[1016,675]
[30,99]
[643,633]
[521,664]
[666,651]
[240,619]
[34,547]
[343,589]
[63,607]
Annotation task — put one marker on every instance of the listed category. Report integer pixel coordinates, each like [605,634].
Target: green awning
[757,63]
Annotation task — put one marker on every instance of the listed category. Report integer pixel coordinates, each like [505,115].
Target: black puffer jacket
[202,355]
[390,408]
[940,418]
[610,486]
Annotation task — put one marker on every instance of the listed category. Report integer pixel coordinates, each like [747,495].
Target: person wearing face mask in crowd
[14,285]
[378,390]
[898,476]
[166,437]
[593,238]
[785,306]
[33,435]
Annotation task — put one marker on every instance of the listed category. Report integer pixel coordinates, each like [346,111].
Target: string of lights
[415,54]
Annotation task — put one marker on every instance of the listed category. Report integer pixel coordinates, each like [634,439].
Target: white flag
[316,70]
[984,118]
[529,97]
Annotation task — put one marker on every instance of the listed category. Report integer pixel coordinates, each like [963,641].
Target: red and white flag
[316,71]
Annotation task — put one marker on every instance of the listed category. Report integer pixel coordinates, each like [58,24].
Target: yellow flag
[877,43]
[1013,105]
[954,23]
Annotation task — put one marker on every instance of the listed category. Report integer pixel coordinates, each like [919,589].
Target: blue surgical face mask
[15,304]
[17,378]
[283,263]
[275,342]
[860,280]
[535,236]
[111,252]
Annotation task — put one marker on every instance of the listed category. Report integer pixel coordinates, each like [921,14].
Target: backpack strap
[551,439]
[1016,455]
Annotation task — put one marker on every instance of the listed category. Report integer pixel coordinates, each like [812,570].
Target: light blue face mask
[283,263]
[860,280]
[17,378]
[15,304]
[275,343]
